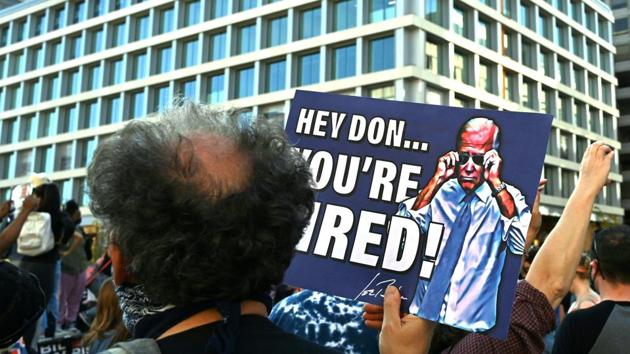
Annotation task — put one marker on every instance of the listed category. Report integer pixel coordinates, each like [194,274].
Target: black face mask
[591,281]
[78,221]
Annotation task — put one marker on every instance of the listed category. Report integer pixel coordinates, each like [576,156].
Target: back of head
[202,205]
[71,207]
[50,200]
[22,301]
[583,267]
[611,248]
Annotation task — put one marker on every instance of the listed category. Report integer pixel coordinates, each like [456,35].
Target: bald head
[480,133]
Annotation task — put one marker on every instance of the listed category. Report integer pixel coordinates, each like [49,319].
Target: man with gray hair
[205,211]
[482,218]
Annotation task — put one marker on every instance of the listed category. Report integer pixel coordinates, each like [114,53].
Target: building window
[484,33]
[459,21]
[118,35]
[344,14]
[561,34]
[528,96]
[344,61]
[63,157]
[462,68]
[95,41]
[509,45]
[246,39]
[246,4]
[69,120]
[85,152]
[433,11]
[276,76]
[4,36]
[382,54]
[37,60]
[139,66]
[47,124]
[162,98]
[79,12]
[89,115]
[593,86]
[98,8]
[39,27]
[116,72]
[308,72]
[578,46]
[525,15]
[218,8]
[563,72]
[141,30]
[24,163]
[44,159]
[485,77]
[114,110]
[544,24]
[381,10]
[166,23]
[8,126]
[188,89]
[528,53]
[94,77]
[567,183]
[545,63]
[277,31]
[32,94]
[59,18]
[383,92]
[310,23]
[28,128]
[53,87]
[578,75]
[164,60]
[119,4]
[216,89]
[74,50]
[137,104]
[510,86]
[192,10]
[217,46]
[434,96]
[72,82]
[621,24]
[244,82]
[190,53]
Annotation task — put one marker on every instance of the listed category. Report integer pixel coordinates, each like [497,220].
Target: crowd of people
[204,211]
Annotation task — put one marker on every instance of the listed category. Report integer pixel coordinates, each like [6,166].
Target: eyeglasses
[463,158]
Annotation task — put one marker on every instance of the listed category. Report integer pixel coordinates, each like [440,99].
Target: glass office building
[73,72]
[621,10]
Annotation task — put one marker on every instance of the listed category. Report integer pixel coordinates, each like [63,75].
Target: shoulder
[580,329]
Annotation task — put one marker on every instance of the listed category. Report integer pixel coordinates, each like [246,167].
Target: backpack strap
[136,346]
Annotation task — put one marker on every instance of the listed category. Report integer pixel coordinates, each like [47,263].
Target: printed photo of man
[483,218]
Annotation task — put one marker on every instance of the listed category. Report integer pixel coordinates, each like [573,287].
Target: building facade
[72,72]
[621,31]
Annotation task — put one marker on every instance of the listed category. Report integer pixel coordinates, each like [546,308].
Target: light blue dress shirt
[471,301]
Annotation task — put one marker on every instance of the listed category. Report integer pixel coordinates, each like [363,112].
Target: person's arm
[5,209]
[77,239]
[445,170]
[11,232]
[553,269]
[402,334]
[536,221]
[492,173]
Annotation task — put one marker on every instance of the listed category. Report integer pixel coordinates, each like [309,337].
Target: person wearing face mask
[483,218]
[73,266]
[205,210]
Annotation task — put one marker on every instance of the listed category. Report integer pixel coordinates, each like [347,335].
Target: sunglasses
[463,158]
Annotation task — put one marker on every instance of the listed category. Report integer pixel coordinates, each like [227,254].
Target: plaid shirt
[532,318]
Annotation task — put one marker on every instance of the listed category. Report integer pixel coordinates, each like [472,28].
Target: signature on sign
[376,287]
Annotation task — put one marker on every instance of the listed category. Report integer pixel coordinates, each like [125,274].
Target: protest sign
[434,200]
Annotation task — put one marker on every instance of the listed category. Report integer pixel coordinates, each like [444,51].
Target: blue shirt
[471,301]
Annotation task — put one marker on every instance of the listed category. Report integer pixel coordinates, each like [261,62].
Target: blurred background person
[584,295]
[107,328]
[73,265]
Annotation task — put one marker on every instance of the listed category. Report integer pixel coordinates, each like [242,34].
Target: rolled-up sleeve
[515,229]
[422,216]
[532,318]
